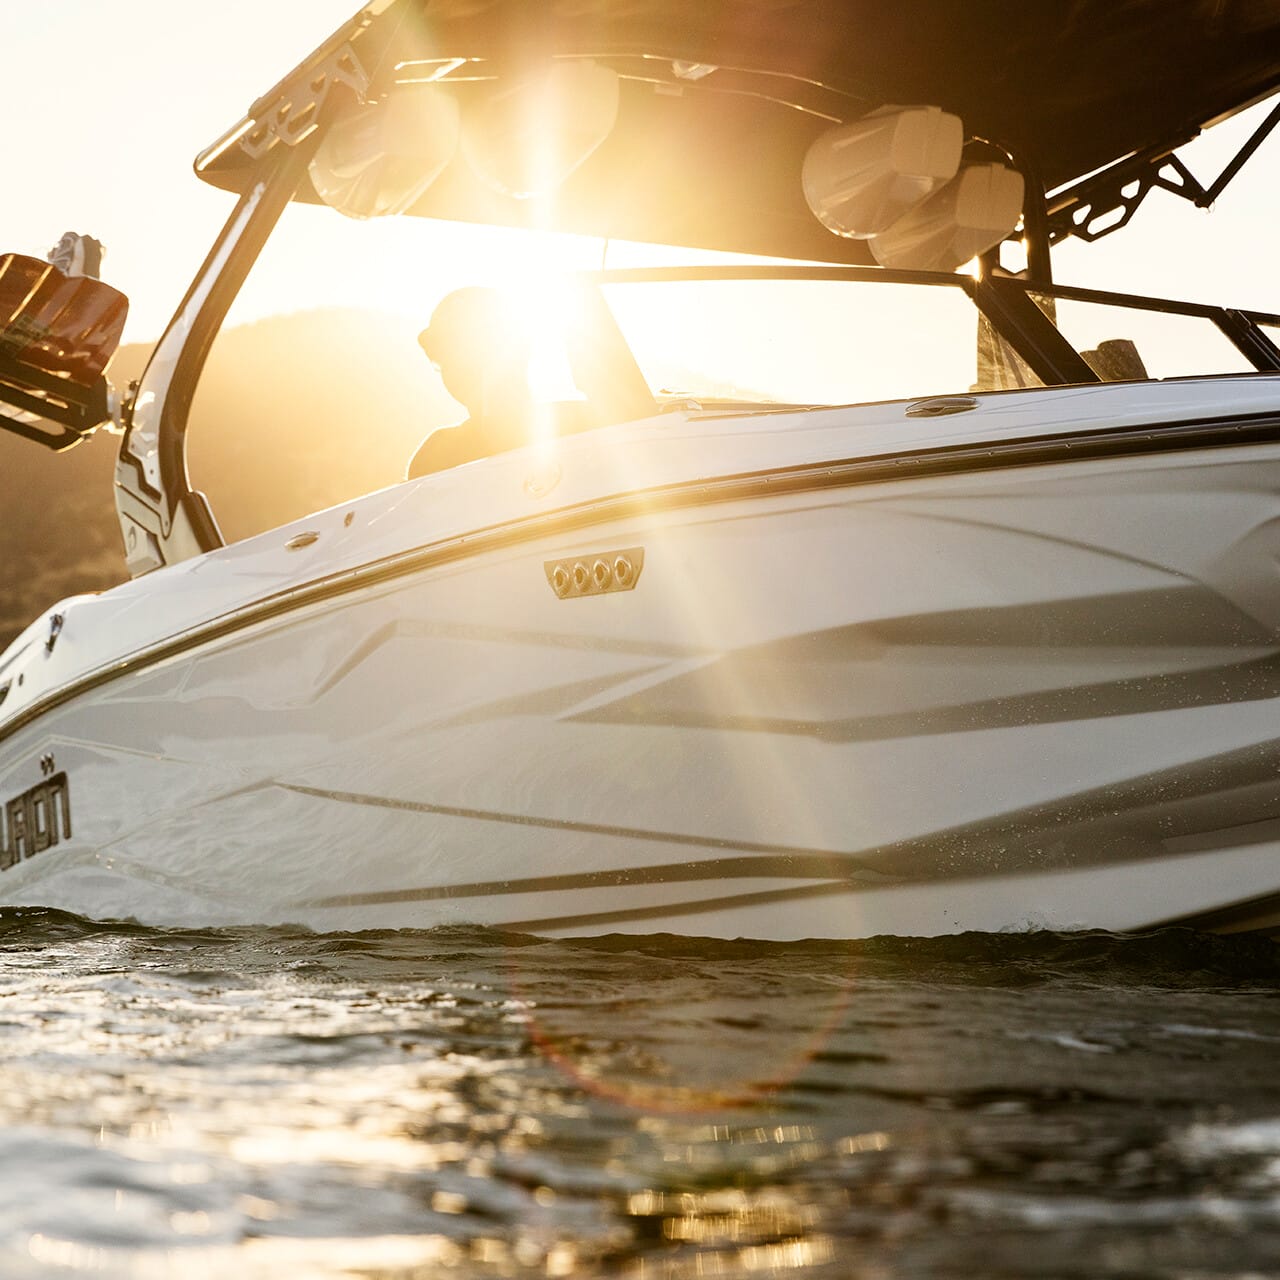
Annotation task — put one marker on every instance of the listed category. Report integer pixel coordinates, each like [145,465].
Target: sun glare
[546,309]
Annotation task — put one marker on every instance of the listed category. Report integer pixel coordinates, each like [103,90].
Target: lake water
[248,1103]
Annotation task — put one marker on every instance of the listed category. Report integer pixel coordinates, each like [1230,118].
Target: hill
[293,414]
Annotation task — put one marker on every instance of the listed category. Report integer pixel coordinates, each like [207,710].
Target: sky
[112,99]
[117,97]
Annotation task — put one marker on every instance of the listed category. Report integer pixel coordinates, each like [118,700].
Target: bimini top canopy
[718,102]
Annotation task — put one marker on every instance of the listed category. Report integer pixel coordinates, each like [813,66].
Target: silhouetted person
[483,359]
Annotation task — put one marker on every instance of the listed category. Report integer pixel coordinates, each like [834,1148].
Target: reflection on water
[272,1103]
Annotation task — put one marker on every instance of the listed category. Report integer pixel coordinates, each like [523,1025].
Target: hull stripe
[779,861]
[621,915]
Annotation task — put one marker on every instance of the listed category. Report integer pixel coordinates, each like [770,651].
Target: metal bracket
[292,110]
[1015,316]
[1107,201]
[56,622]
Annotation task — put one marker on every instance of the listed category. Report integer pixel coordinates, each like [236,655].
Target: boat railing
[1255,333]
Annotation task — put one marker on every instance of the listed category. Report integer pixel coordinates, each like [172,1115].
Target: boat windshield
[795,337]
[763,343]
[335,385]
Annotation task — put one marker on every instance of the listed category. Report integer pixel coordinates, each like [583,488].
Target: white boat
[1002,653]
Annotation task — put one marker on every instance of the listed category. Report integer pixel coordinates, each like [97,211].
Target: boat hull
[1034,697]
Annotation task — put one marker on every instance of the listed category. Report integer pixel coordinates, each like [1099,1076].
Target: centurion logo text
[35,821]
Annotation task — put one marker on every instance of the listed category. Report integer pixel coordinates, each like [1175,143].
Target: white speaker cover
[860,178]
[382,159]
[974,211]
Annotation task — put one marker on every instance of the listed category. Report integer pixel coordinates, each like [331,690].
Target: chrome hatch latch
[941,406]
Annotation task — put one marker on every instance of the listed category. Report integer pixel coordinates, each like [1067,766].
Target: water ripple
[462,1102]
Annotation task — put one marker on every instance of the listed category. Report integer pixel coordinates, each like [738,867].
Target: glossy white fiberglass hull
[838,702]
